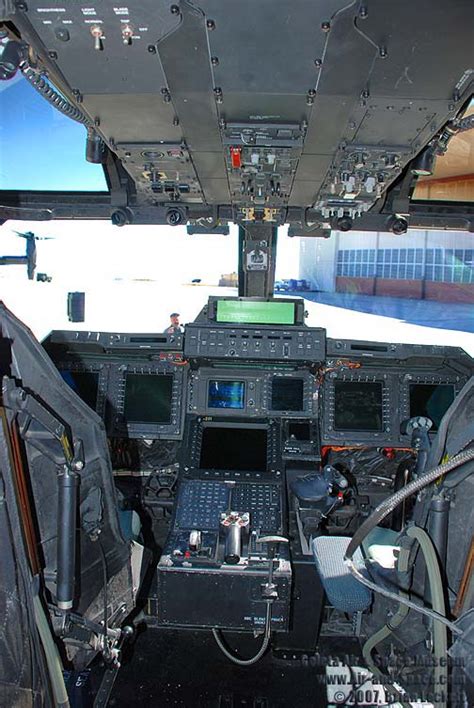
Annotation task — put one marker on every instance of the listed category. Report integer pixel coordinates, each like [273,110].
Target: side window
[40,148]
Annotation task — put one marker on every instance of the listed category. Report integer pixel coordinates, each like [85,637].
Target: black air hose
[53,97]
[466,124]
[388,505]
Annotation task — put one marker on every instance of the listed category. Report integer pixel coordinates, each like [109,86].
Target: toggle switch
[127,33]
[97,32]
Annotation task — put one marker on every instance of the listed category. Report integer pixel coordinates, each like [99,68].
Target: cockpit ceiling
[258,106]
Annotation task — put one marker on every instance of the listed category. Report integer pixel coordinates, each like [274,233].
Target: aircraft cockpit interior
[229,474]
[248,510]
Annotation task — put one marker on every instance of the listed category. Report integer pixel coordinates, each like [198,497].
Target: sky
[133,276]
[39,147]
[87,252]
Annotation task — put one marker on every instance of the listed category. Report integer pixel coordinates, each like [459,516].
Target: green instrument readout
[254,312]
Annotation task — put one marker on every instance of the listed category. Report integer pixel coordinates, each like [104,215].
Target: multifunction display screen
[227,448]
[226,394]
[254,312]
[85,384]
[431,401]
[358,406]
[148,398]
[287,394]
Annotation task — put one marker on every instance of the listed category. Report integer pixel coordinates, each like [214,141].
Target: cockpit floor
[185,668]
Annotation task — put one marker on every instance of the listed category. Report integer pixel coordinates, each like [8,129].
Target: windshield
[417,287]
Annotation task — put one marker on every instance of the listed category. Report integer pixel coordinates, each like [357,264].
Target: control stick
[269,590]
[418,427]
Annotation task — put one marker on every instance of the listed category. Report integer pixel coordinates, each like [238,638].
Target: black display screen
[287,394]
[299,431]
[431,401]
[241,449]
[226,394]
[84,383]
[358,406]
[148,398]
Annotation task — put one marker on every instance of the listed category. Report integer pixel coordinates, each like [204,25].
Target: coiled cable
[41,85]
[261,651]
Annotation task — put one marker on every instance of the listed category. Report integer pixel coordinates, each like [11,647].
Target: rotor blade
[26,234]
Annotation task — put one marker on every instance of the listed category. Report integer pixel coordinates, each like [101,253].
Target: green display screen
[250,312]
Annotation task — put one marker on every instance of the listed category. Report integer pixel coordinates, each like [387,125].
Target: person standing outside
[174,326]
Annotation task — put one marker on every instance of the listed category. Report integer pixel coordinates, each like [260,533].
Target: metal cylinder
[438,526]
[94,147]
[68,483]
[422,444]
[438,520]
[233,544]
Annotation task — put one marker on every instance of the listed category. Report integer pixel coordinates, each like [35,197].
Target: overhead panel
[102,47]
[379,99]
[343,74]
[268,104]
[162,170]
[429,48]
[185,60]
[264,93]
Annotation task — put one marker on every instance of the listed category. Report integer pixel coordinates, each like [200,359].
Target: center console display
[241,449]
[251,393]
[226,394]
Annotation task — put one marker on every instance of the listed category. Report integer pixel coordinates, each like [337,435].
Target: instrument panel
[242,393]
[369,405]
[314,394]
[135,398]
[147,400]
[255,343]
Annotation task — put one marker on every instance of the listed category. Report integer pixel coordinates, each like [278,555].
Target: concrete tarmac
[440,315]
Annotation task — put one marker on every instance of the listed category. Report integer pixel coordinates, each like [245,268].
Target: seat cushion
[344,591]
